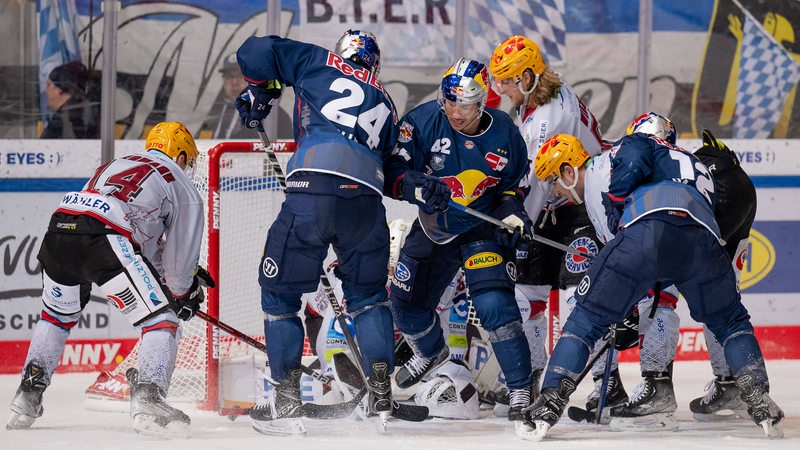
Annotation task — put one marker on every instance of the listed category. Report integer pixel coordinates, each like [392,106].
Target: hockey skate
[26,406]
[721,402]
[652,407]
[283,415]
[151,414]
[615,396]
[419,366]
[380,392]
[503,400]
[760,406]
[545,411]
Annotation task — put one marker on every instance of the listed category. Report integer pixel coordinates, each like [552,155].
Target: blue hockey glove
[256,101]
[430,193]
[512,212]
[613,212]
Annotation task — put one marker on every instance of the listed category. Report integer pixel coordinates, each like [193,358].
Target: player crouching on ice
[659,204]
[134,231]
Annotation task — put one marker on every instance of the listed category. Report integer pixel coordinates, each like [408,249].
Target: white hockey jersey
[595,182]
[564,114]
[149,199]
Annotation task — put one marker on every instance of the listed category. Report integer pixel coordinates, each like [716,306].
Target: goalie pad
[450,393]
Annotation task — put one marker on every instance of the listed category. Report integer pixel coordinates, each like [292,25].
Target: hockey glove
[430,193]
[512,212]
[256,101]
[613,212]
[205,278]
[627,335]
[186,305]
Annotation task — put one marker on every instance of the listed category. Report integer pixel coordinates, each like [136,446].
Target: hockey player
[659,205]
[345,125]
[482,158]
[134,231]
[735,212]
[547,106]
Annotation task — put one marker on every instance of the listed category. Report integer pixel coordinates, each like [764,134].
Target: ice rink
[67,424]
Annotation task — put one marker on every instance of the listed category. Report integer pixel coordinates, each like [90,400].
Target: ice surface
[66,424]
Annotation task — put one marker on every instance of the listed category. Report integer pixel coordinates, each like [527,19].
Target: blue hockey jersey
[478,169]
[648,175]
[345,122]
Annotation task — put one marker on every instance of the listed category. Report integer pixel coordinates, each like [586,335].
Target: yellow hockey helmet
[172,139]
[513,56]
[558,150]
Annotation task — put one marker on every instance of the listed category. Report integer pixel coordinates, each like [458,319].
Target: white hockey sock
[47,345]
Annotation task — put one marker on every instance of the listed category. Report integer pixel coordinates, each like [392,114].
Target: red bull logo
[469,185]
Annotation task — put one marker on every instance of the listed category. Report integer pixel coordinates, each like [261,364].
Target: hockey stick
[601,403]
[312,410]
[411,413]
[535,237]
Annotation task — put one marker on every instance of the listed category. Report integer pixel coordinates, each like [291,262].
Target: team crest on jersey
[405,132]
[577,263]
[437,161]
[469,144]
[496,161]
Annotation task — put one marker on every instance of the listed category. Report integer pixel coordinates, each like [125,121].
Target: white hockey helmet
[655,124]
[360,47]
[450,393]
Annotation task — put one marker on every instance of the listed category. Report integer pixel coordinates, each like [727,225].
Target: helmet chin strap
[526,94]
[571,188]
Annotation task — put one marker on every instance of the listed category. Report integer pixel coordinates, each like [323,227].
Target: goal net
[243,198]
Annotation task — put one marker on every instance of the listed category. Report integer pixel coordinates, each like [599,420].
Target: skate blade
[771,430]
[650,422]
[383,421]
[533,433]
[723,415]
[281,427]
[147,424]
[19,421]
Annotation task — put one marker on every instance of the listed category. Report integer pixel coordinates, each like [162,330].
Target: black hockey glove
[430,193]
[205,279]
[256,101]
[512,212]
[628,332]
[186,305]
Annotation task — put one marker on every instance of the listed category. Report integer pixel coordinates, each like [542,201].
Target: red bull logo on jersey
[405,132]
[470,184]
[483,260]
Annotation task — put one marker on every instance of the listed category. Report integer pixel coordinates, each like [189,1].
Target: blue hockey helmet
[360,47]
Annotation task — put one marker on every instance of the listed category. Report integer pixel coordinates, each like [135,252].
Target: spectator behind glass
[74,116]
[226,124]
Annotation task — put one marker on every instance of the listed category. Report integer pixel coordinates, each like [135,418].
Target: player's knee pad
[358,302]
[505,332]
[495,308]
[585,326]
[487,266]
[278,304]
[166,321]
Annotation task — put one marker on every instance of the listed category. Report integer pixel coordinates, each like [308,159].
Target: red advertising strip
[94,355]
[777,342]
